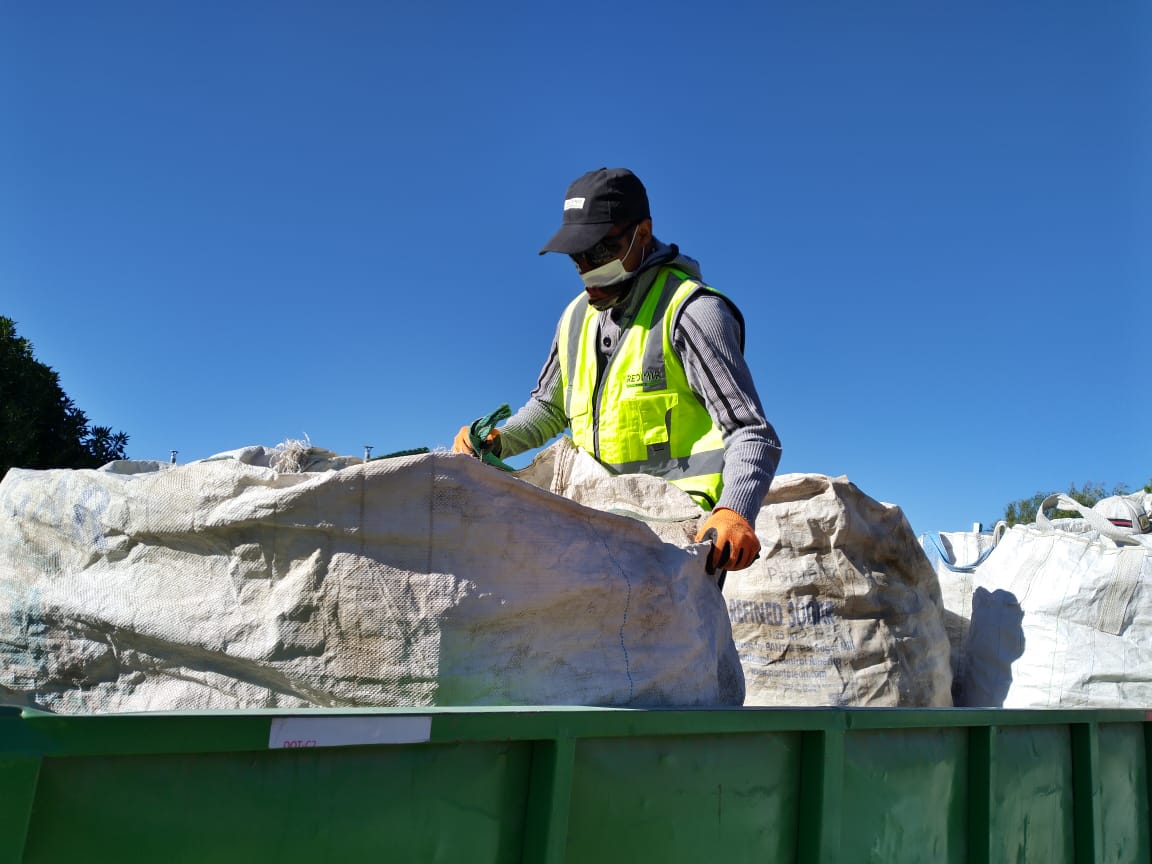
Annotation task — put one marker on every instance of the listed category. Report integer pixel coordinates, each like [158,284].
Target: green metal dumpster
[577,785]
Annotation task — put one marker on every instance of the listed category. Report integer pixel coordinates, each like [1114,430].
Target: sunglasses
[604,251]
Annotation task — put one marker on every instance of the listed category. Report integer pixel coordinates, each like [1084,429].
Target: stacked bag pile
[293,577]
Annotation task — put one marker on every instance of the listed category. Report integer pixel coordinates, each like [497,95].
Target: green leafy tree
[1024,511]
[40,427]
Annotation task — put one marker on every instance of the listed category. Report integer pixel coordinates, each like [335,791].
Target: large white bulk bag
[421,580]
[954,556]
[842,607]
[1062,616]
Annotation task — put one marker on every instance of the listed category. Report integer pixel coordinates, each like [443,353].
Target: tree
[40,427]
[1025,510]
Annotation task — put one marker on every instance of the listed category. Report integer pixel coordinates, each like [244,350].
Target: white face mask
[609,274]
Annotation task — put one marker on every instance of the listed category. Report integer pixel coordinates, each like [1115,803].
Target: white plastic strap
[1112,616]
[1098,522]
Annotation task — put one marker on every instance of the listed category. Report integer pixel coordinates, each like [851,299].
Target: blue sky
[238,223]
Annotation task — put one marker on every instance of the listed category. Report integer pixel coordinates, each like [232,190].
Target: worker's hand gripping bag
[239,582]
[1062,614]
[842,607]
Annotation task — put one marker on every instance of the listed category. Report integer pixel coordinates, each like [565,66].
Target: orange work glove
[734,541]
[463,441]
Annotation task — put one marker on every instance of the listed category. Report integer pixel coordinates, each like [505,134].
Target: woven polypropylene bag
[955,555]
[421,580]
[842,608]
[1062,618]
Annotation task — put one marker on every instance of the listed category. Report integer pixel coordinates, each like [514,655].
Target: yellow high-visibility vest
[642,417]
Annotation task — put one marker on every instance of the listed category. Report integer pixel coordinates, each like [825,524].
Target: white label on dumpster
[347,731]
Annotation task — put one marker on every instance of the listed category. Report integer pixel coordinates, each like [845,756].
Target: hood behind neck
[669,254]
[662,255]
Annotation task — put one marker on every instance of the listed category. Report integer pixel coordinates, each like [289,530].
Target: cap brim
[571,239]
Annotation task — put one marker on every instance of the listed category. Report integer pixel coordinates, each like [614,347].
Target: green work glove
[482,438]
[463,442]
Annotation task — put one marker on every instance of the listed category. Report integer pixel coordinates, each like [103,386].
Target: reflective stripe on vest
[642,416]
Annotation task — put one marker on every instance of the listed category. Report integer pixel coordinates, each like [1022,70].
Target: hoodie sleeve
[542,417]
[708,337]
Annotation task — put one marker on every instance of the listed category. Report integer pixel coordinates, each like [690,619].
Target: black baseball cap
[594,203]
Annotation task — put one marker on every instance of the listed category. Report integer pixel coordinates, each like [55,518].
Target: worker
[647,369]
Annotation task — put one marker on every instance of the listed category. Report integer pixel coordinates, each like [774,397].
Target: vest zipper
[601,377]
